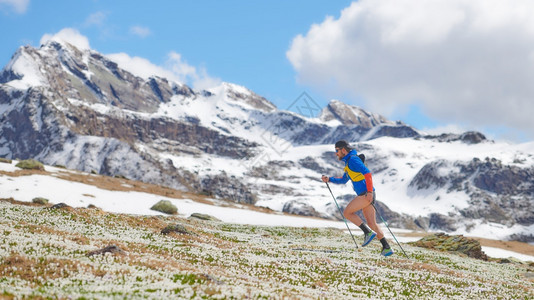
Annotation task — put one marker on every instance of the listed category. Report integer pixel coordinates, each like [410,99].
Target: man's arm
[339,180]
[369,182]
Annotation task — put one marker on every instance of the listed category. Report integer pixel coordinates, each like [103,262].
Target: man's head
[342,149]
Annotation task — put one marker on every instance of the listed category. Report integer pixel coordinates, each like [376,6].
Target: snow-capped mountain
[80,109]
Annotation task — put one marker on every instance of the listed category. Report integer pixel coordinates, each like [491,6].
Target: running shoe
[368,238]
[387,251]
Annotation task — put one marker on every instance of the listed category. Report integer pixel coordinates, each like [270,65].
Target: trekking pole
[342,214]
[372,203]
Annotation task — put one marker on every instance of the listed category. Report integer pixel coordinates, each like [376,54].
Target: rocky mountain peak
[243,95]
[351,115]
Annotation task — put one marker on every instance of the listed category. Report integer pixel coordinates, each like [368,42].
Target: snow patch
[23,64]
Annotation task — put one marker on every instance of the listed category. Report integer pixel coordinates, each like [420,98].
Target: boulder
[452,243]
[178,228]
[59,205]
[40,200]
[166,207]
[203,217]
[30,164]
[113,249]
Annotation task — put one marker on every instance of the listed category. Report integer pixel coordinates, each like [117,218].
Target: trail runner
[362,183]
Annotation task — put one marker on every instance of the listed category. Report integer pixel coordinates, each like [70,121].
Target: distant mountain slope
[80,109]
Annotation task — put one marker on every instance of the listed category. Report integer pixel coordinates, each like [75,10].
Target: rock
[511,260]
[165,206]
[30,164]
[40,200]
[113,249]
[178,228]
[351,115]
[454,243]
[59,205]
[469,137]
[472,137]
[203,217]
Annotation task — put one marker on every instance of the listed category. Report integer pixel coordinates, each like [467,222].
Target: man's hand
[325,178]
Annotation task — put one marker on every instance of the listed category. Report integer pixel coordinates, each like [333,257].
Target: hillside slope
[54,253]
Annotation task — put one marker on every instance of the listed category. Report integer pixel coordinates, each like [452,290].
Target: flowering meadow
[50,253]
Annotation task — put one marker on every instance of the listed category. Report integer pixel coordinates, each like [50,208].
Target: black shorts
[374,196]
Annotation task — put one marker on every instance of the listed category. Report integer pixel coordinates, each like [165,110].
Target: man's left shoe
[368,238]
[387,251]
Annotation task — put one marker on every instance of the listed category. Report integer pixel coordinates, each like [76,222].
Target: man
[362,182]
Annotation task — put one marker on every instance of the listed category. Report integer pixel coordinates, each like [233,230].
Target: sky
[438,65]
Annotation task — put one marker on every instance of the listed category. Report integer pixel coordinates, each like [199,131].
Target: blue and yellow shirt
[356,171]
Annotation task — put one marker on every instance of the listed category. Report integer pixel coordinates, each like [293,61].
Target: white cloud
[69,35]
[97,19]
[468,61]
[140,31]
[139,66]
[20,6]
[197,77]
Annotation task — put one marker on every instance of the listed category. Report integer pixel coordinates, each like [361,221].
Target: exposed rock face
[492,176]
[470,137]
[300,208]
[439,221]
[429,176]
[498,193]
[351,115]
[227,188]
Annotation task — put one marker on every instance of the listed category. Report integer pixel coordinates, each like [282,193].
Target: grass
[43,255]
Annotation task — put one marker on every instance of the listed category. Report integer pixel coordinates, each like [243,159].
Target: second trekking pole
[386,223]
[341,212]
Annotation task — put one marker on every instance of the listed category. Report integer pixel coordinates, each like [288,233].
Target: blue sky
[243,42]
[437,65]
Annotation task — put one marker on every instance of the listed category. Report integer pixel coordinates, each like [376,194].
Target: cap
[343,144]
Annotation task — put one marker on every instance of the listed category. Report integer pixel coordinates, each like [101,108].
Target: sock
[384,243]
[365,228]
